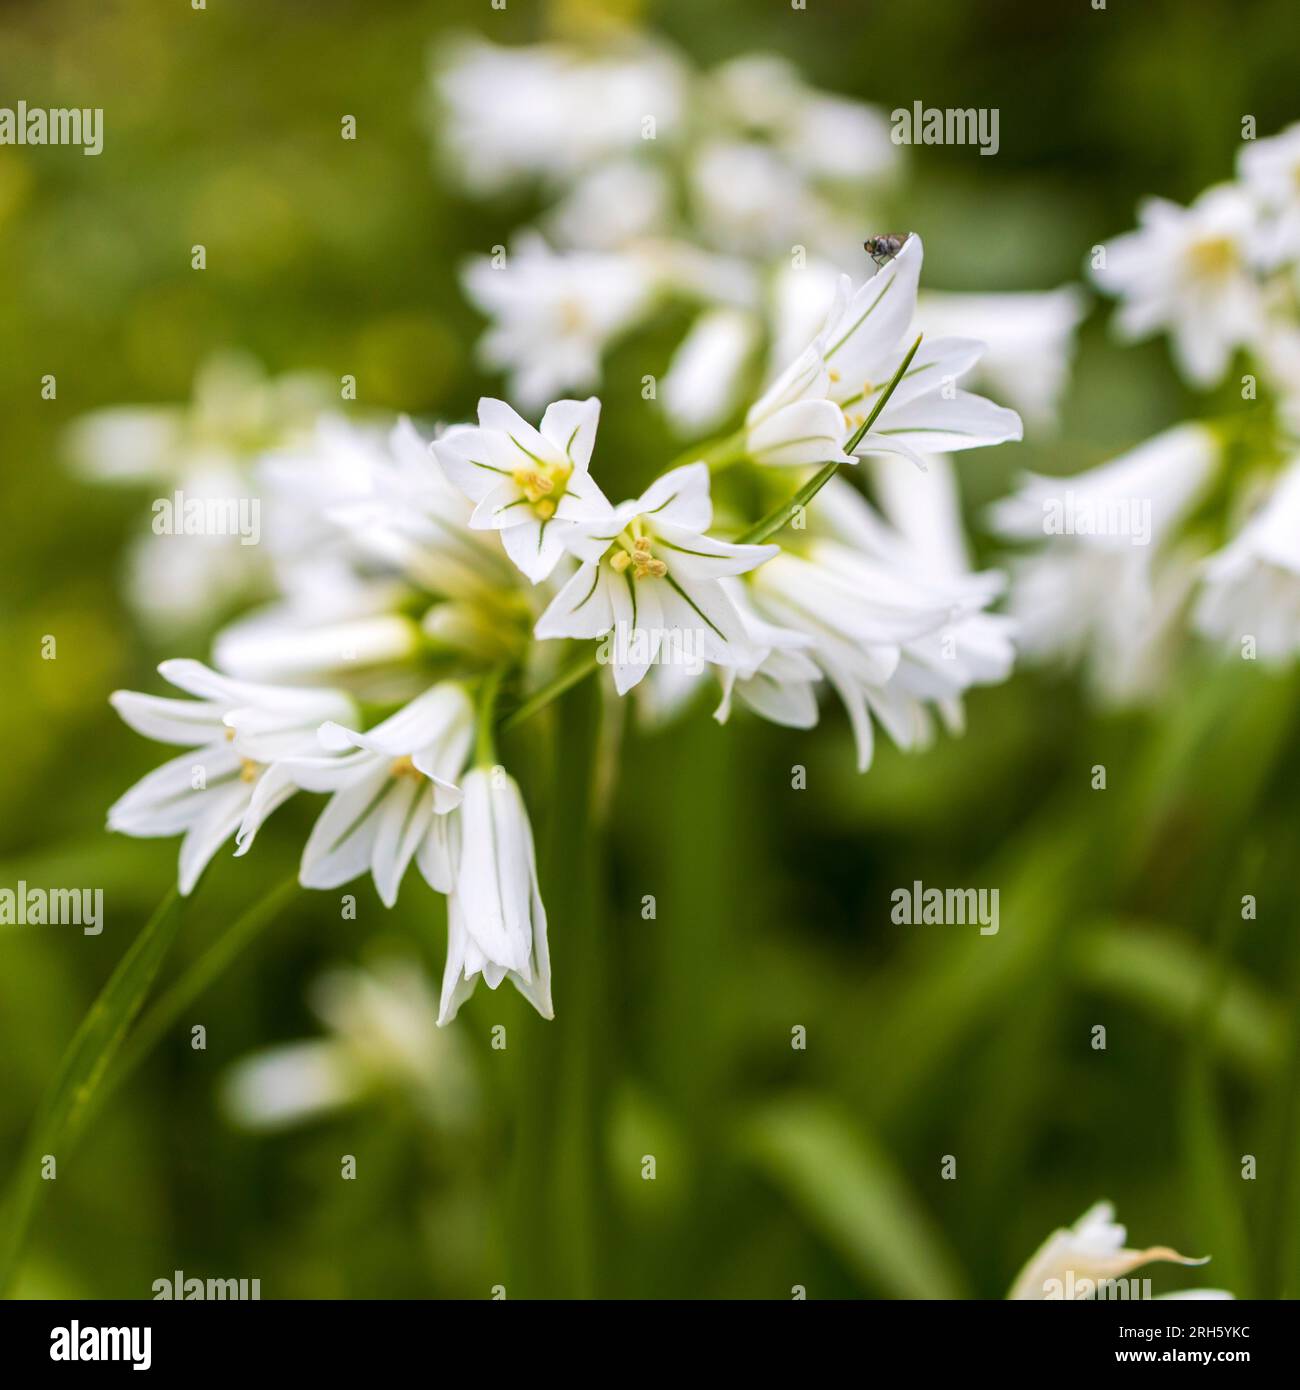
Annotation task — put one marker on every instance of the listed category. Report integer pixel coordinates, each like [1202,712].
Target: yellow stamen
[1213,256]
[404,767]
[619,561]
[249,771]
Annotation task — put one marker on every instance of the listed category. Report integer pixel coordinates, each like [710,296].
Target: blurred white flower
[332,623]
[1072,1260]
[611,206]
[1252,586]
[702,385]
[496,922]
[1270,169]
[746,198]
[827,136]
[391,788]
[237,731]
[830,389]
[379,498]
[532,485]
[545,110]
[382,1036]
[650,574]
[1028,336]
[554,314]
[1101,588]
[202,449]
[1190,271]
[802,295]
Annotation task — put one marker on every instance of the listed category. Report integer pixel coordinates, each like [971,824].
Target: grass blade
[89,1055]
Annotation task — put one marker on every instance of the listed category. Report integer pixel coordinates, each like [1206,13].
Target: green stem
[779,516]
[485,747]
[73,1092]
[561,1212]
[718,454]
[194,980]
[554,688]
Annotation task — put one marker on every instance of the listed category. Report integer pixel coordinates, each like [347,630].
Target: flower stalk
[777,519]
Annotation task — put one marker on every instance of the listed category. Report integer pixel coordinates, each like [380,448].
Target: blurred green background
[774,1167]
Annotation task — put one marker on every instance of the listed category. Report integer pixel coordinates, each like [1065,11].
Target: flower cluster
[736,195]
[423,577]
[1199,526]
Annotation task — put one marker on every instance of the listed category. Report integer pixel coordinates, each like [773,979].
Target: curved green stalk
[554,688]
[777,518]
[194,979]
[71,1096]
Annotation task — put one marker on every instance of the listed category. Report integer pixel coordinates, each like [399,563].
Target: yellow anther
[403,767]
[249,771]
[572,316]
[533,484]
[230,736]
[1213,256]
[834,375]
[619,561]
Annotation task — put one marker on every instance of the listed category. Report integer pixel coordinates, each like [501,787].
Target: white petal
[571,427]
[342,840]
[535,546]
[935,425]
[433,855]
[680,497]
[582,608]
[186,722]
[221,816]
[165,802]
[404,818]
[803,432]
[457,984]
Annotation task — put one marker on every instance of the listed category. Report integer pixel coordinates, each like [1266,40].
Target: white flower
[893,629]
[377,497]
[382,1035]
[1072,1260]
[826,393]
[700,388]
[237,731]
[1270,169]
[203,450]
[746,198]
[547,110]
[496,923]
[1101,589]
[1029,338]
[391,789]
[784,163]
[532,485]
[781,685]
[821,135]
[611,206]
[651,574]
[1188,270]
[1252,585]
[332,622]
[553,314]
